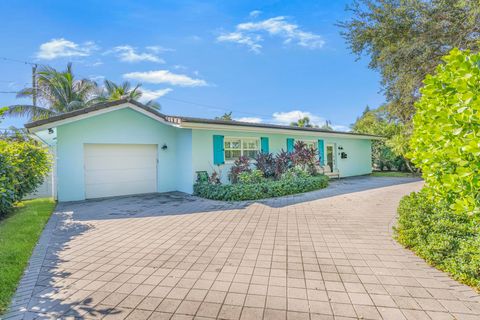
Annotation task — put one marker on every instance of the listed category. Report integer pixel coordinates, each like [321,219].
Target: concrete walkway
[328,254]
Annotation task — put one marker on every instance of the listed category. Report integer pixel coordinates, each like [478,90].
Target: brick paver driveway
[324,255]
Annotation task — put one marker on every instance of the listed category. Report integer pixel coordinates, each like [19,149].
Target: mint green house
[123,148]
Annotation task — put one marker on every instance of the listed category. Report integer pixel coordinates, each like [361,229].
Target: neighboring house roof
[177,120]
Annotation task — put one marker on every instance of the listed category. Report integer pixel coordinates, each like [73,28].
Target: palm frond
[30,111]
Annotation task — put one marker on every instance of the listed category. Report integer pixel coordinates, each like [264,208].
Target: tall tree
[112,91]
[405,40]
[302,122]
[225,116]
[57,92]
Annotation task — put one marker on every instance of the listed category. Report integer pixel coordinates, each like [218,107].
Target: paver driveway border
[343,279]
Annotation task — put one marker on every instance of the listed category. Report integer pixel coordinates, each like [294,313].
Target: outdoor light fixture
[50,130]
[164,147]
[340,148]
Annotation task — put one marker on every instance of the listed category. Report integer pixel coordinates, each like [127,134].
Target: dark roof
[95,107]
[180,119]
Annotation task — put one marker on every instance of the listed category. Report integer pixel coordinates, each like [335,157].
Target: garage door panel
[115,189]
[119,169]
[106,176]
[113,163]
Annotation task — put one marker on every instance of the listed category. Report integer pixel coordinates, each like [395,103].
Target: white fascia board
[210,126]
[99,112]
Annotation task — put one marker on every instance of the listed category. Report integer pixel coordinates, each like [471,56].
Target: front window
[236,147]
[310,144]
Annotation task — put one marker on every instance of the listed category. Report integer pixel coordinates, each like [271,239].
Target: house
[124,147]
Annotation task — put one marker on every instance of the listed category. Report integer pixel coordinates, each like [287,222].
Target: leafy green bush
[242,164]
[442,222]
[249,177]
[23,167]
[445,239]
[446,138]
[265,189]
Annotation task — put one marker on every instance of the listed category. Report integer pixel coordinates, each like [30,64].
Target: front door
[330,157]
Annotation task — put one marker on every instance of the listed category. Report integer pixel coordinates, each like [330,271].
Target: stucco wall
[124,126]
[358,151]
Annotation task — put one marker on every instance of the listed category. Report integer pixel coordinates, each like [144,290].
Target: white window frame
[315,143]
[242,139]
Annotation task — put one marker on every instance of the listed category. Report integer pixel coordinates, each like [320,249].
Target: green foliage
[265,189]
[249,177]
[265,162]
[386,153]
[19,232]
[242,164]
[227,116]
[296,172]
[406,40]
[23,167]
[446,138]
[305,157]
[445,239]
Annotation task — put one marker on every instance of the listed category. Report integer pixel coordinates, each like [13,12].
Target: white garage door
[120,169]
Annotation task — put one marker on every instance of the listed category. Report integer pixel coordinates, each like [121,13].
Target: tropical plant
[112,91]
[305,157]
[57,92]
[302,122]
[242,164]
[283,162]
[265,162]
[226,116]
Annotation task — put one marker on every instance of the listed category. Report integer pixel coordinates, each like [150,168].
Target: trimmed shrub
[442,222]
[249,177]
[446,137]
[23,167]
[445,239]
[265,189]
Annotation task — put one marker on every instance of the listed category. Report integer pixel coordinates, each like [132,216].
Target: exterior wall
[185,172]
[358,151]
[124,126]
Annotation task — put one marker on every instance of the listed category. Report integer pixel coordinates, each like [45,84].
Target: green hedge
[23,167]
[262,190]
[448,240]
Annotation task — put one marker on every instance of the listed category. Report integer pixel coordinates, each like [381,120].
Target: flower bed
[261,190]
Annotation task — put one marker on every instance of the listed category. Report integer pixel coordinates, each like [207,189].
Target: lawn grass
[19,232]
[393,174]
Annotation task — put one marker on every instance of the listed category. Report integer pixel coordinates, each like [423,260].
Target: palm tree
[302,122]
[57,92]
[113,91]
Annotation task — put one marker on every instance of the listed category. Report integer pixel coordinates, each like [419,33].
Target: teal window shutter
[321,152]
[264,144]
[290,143]
[218,148]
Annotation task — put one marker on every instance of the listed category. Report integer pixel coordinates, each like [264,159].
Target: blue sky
[269,61]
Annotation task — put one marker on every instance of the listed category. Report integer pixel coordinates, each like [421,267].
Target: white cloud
[255,13]
[251,42]
[62,48]
[148,95]
[248,34]
[128,53]
[250,119]
[158,49]
[288,117]
[96,78]
[165,76]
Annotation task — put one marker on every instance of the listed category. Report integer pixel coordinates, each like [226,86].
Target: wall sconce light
[340,148]
[50,130]
[164,147]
